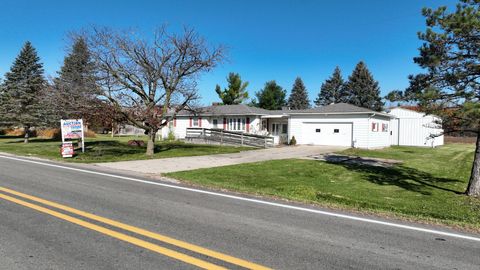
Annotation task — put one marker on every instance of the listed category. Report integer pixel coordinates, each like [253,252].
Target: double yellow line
[132,240]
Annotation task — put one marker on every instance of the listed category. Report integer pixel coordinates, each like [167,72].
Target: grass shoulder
[426,186]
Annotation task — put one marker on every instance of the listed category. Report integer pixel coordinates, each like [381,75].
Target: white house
[337,124]
[415,128]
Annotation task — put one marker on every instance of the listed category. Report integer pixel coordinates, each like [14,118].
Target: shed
[411,128]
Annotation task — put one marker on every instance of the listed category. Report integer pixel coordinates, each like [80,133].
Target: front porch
[277,127]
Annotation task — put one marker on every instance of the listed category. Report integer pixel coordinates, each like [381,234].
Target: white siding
[183,122]
[180,128]
[415,129]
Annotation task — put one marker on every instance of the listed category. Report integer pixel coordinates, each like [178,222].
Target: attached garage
[317,133]
[340,125]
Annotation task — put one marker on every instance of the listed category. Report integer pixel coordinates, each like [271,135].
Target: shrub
[171,136]
[14,132]
[90,134]
[293,141]
[49,133]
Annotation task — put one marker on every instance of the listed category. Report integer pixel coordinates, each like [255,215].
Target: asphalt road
[214,231]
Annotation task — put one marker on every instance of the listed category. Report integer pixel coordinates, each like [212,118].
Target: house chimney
[285,108]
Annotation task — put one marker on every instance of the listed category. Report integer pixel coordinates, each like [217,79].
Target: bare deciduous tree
[150,80]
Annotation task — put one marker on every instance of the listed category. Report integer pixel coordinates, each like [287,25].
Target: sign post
[73,129]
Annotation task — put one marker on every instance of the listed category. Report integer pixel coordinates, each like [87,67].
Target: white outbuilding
[411,128]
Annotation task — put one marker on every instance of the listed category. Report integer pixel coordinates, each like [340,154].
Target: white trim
[286,206]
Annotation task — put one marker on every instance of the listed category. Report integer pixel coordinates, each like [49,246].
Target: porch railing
[229,137]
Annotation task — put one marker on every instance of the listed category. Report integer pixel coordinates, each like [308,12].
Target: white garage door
[328,133]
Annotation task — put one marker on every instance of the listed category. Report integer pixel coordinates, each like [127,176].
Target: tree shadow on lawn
[111,148]
[171,146]
[34,140]
[116,148]
[404,177]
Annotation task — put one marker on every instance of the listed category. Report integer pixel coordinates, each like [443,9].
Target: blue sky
[268,40]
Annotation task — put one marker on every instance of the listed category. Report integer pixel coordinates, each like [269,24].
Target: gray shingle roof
[335,108]
[242,109]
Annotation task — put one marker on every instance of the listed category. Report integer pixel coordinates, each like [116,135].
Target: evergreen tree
[332,90]
[21,101]
[76,85]
[362,90]
[271,97]
[450,86]
[298,99]
[235,93]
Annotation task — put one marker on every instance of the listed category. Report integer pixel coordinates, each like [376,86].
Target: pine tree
[21,102]
[235,93]
[362,90]
[449,86]
[76,85]
[298,99]
[332,90]
[271,97]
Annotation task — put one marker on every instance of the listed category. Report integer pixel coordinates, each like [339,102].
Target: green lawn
[105,149]
[426,186]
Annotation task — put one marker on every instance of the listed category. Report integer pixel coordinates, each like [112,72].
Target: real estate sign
[67,149]
[73,129]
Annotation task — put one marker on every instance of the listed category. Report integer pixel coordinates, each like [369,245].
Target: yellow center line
[156,236]
[120,236]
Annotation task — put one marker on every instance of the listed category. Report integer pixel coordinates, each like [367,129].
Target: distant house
[336,125]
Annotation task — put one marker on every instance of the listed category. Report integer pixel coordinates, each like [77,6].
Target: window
[384,127]
[336,130]
[264,124]
[317,130]
[275,129]
[278,129]
[236,124]
[215,123]
[195,121]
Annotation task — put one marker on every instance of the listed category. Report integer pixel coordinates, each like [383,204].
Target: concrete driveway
[166,165]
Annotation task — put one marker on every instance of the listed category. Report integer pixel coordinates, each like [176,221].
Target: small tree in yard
[235,93]
[451,86]
[332,90]
[21,100]
[271,97]
[150,80]
[298,99]
[362,90]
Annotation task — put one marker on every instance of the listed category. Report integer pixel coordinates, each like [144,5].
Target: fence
[229,137]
